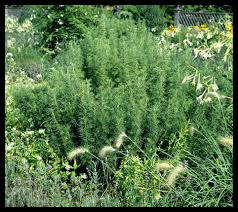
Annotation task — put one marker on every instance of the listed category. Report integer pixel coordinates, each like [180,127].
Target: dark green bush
[61,23]
[153,15]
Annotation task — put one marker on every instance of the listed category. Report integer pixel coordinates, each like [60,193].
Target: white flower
[200,35]
[60,22]
[187,42]
[15,131]
[207,99]
[83,176]
[187,78]
[205,77]
[29,132]
[67,166]
[188,35]
[212,94]
[217,46]
[206,54]
[53,68]
[214,87]
[9,55]
[11,42]
[38,157]
[32,16]
[42,131]
[38,76]
[199,84]
[190,43]
[172,46]
[196,51]
[20,29]
[9,146]
[31,80]
[161,40]
[199,99]
[209,35]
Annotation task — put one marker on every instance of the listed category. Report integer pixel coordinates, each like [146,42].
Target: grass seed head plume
[77,152]
[105,151]
[192,131]
[161,166]
[119,140]
[174,174]
[226,141]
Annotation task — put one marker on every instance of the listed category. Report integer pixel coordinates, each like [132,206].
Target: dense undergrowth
[121,118]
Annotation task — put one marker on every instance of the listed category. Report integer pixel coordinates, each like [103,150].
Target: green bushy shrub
[153,15]
[119,77]
[62,23]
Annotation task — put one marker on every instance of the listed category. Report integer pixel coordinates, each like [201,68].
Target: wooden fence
[196,18]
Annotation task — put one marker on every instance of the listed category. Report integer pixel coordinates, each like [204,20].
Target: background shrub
[153,16]
[61,23]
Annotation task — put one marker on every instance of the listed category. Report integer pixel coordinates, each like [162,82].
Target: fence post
[118,9]
[176,15]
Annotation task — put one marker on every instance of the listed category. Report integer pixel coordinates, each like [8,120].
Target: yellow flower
[171,28]
[196,28]
[229,33]
[203,27]
[228,25]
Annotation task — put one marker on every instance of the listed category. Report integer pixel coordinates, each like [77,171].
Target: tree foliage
[61,23]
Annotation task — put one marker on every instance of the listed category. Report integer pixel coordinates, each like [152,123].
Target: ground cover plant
[121,117]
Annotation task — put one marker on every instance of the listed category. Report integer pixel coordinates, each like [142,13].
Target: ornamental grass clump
[77,152]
